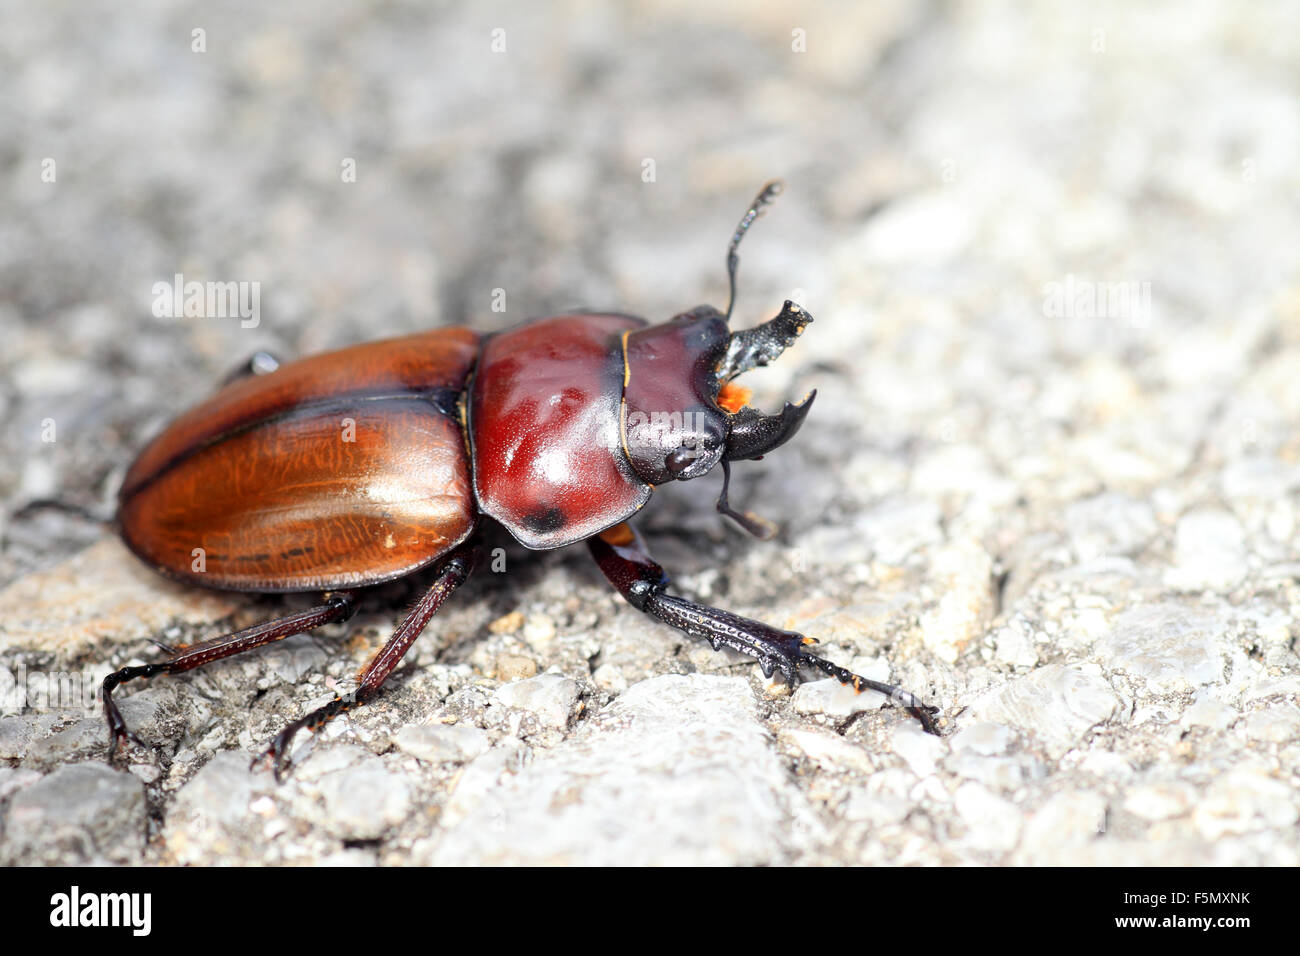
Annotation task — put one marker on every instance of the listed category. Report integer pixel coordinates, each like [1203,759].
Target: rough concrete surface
[1051,480]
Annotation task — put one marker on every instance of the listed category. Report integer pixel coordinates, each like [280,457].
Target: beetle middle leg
[638,577]
[455,569]
[338,606]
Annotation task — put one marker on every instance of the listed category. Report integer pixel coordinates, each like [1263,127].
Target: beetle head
[682,415]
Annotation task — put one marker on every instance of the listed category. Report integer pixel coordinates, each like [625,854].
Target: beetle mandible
[558,428]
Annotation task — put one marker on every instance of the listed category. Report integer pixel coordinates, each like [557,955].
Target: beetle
[356,467]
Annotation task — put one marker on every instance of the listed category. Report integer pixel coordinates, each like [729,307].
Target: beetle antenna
[769,192]
[758,526]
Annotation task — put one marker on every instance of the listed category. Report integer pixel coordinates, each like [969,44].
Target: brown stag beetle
[352,468]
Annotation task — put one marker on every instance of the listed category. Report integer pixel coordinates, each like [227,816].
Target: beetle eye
[680,459]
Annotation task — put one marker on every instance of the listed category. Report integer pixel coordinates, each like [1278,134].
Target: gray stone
[442,743]
[211,817]
[992,823]
[81,812]
[721,795]
[1109,524]
[828,750]
[1167,646]
[1210,552]
[1054,833]
[1056,704]
[1160,800]
[550,697]
[985,738]
[1278,724]
[1244,801]
[963,578]
[920,751]
[364,801]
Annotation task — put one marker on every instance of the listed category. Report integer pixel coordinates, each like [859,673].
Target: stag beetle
[558,428]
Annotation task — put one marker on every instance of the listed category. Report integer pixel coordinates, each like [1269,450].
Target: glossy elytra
[345,470]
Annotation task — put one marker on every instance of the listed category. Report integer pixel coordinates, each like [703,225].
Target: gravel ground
[1051,480]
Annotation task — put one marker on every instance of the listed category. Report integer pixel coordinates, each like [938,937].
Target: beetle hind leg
[625,562]
[454,571]
[338,606]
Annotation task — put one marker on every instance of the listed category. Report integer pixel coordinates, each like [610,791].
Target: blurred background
[1050,249]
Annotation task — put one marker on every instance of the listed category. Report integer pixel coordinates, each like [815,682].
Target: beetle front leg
[625,562]
[454,571]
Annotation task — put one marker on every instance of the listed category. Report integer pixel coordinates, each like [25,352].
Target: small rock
[1015,646]
[992,822]
[515,667]
[1057,704]
[983,738]
[996,773]
[211,816]
[1109,524]
[550,696]
[442,743]
[539,631]
[720,794]
[19,732]
[828,750]
[1066,819]
[1242,801]
[1160,801]
[919,750]
[83,738]
[78,813]
[364,801]
[610,677]
[1278,724]
[507,623]
[876,809]
[1209,552]
[963,577]
[1170,647]
[1105,765]
[1207,711]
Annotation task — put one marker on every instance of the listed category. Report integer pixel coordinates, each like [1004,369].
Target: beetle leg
[625,562]
[454,571]
[338,606]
